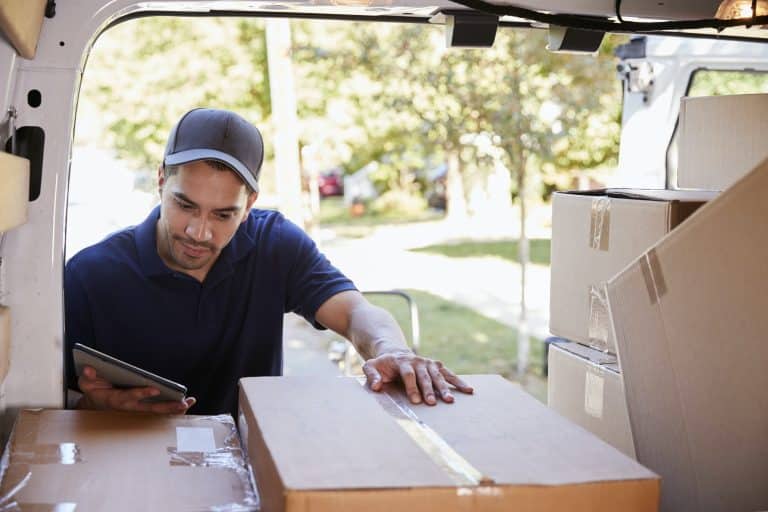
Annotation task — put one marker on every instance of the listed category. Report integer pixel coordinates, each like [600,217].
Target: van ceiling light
[741,9]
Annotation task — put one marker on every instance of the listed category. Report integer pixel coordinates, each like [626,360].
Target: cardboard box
[21,23]
[721,138]
[5,341]
[594,235]
[326,444]
[690,318]
[14,190]
[99,460]
[585,386]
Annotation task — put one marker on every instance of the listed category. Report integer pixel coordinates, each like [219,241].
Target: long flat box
[690,322]
[594,235]
[721,138]
[97,460]
[329,444]
[14,190]
[585,386]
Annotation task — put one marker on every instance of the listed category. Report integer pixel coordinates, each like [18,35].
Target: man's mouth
[194,250]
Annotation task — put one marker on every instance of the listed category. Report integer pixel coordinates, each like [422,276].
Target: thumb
[372,375]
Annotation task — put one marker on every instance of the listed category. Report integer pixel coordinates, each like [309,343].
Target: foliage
[144,74]
[713,82]
[390,93]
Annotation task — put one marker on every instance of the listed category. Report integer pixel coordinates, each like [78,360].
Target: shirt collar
[152,265]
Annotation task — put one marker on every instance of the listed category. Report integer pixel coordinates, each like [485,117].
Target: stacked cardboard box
[585,386]
[721,138]
[690,322]
[594,235]
[330,444]
[97,460]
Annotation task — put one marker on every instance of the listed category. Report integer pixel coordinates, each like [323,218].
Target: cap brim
[194,155]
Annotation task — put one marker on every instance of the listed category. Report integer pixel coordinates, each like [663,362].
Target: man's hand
[100,394]
[421,376]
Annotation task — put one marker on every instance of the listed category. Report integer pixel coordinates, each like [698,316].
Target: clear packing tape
[599,321]
[23,453]
[470,480]
[600,223]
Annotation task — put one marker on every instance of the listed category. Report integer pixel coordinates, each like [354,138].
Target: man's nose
[198,229]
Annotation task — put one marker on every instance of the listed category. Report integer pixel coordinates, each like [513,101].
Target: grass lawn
[464,340]
[507,249]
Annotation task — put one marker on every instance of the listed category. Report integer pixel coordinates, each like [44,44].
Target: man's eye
[184,206]
[224,216]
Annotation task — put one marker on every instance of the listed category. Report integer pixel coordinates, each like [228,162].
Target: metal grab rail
[414,314]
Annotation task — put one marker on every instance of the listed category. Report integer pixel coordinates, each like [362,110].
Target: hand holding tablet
[108,382]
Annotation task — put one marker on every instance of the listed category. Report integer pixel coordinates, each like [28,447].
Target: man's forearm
[374,332]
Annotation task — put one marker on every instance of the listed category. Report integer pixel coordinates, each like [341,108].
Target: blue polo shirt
[121,299]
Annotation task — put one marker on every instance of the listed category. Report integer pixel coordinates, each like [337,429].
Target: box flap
[320,432]
[690,325]
[513,438]
[648,194]
[21,22]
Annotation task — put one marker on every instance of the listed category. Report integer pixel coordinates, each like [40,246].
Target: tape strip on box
[196,446]
[441,453]
[650,267]
[600,223]
[598,322]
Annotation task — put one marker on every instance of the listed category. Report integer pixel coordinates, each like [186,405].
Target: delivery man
[196,293]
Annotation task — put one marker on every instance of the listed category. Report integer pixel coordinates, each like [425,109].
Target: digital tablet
[123,375]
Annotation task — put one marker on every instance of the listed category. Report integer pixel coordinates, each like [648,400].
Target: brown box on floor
[721,138]
[594,235]
[585,386]
[98,460]
[330,444]
[691,321]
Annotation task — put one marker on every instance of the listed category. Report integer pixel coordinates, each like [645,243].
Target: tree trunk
[523,338]
[456,201]
[286,142]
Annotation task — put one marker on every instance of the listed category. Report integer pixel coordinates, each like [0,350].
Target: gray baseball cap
[221,135]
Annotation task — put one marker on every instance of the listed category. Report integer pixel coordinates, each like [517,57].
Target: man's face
[200,211]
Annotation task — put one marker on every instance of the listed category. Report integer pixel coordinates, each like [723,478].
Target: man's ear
[160,179]
[249,204]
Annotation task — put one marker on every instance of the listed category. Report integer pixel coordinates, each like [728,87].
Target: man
[197,292]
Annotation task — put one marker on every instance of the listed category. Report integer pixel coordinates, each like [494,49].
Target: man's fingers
[441,386]
[425,383]
[408,377]
[453,379]
[89,372]
[372,376]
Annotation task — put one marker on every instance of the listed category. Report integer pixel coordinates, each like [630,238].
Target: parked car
[331,183]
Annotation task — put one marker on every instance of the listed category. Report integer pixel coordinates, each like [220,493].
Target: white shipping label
[593,395]
[195,439]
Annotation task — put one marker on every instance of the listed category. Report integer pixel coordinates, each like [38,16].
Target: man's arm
[379,340]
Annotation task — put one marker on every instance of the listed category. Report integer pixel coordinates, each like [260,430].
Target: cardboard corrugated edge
[264,469]
[626,496]
[21,22]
